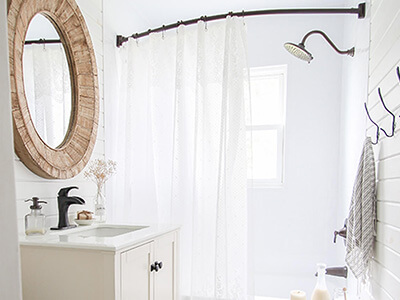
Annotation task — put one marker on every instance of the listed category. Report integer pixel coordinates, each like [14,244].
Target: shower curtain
[177,132]
[48,90]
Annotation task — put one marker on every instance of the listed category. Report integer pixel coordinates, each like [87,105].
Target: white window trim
[279,70]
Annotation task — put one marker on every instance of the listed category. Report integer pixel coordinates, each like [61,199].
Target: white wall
[292,226]
[29,184]
[384,58]
[10,286]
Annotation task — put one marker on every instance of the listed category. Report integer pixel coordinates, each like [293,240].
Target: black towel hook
[377,126]
[393,116]
[398,72]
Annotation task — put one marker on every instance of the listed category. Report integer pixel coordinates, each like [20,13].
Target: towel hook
[393,116]
[398,72]
[377,126]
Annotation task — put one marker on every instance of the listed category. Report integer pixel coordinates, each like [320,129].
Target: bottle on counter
[321,291]
[35,221]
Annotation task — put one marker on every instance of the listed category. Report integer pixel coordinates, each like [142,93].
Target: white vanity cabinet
[144,270]
[148,271]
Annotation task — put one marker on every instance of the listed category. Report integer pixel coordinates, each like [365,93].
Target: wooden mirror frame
[67,160]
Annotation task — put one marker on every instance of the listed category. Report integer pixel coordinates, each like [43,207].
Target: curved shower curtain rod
[360,11]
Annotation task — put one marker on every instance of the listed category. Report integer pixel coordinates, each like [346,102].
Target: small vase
[100,206]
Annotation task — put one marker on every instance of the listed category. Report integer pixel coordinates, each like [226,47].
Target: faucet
[336,271]
[64,201]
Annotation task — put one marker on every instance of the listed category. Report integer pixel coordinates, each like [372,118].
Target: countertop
[70,238]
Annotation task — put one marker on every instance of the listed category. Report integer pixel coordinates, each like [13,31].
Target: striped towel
[361,220]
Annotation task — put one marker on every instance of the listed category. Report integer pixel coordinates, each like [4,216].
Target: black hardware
[156,266]
[393,116]
[336,271]
[385,107]
[299,50]
[377,126]
[121,39]
[64,201]
[398,73]
[348,52]
[42,41]
[359,11]
[342,232]
[153,267]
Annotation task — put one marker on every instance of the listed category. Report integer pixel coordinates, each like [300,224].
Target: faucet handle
[342,232]
[64,191]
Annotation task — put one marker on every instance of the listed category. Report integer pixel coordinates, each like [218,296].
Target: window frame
[278,181]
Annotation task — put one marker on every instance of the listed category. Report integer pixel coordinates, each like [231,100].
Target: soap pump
[321,292]
[35,221]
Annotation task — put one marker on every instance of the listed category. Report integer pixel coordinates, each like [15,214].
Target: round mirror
[67,154]
[47,81]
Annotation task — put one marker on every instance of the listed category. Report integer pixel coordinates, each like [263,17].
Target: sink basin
[105,231]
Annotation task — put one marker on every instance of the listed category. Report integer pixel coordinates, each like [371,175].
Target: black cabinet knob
[156,266]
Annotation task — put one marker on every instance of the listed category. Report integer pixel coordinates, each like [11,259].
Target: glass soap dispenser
[35,221]
[321,291]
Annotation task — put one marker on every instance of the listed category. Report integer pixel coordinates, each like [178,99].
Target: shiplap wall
[29,184]
[384,58]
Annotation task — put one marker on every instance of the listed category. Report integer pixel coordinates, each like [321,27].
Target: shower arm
[348,52]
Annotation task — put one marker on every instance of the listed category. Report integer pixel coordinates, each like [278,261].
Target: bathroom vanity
[101,262]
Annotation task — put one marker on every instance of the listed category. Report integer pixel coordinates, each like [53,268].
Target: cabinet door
[165,278]
[136,282]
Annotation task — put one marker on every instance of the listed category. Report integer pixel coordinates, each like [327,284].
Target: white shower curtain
[178,136]
[48,90]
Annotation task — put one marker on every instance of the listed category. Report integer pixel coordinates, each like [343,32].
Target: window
[265,127]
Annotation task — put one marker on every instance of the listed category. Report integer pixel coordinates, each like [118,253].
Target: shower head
[299,50]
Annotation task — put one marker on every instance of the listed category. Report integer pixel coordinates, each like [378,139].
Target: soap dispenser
[35,221]
[321,292]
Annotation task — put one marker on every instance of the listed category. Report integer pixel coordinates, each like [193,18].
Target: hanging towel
[361,219]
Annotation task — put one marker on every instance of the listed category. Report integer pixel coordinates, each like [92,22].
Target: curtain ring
[177,27]
[204,19]
[244,23]
[163,32]
[135,36]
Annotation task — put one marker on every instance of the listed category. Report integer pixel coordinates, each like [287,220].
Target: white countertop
[70,238]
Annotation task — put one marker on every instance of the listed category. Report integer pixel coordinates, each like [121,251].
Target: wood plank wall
[29,184]
[384,58]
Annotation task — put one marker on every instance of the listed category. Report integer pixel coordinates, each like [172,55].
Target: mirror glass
[47,81]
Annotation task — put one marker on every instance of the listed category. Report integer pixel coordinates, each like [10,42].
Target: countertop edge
[112,244]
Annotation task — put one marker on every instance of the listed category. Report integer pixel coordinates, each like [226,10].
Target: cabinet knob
[156,266]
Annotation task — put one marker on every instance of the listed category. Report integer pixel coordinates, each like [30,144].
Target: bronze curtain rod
[42,41]
[360,11]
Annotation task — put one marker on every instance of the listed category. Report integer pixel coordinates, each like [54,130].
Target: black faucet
[64,201]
